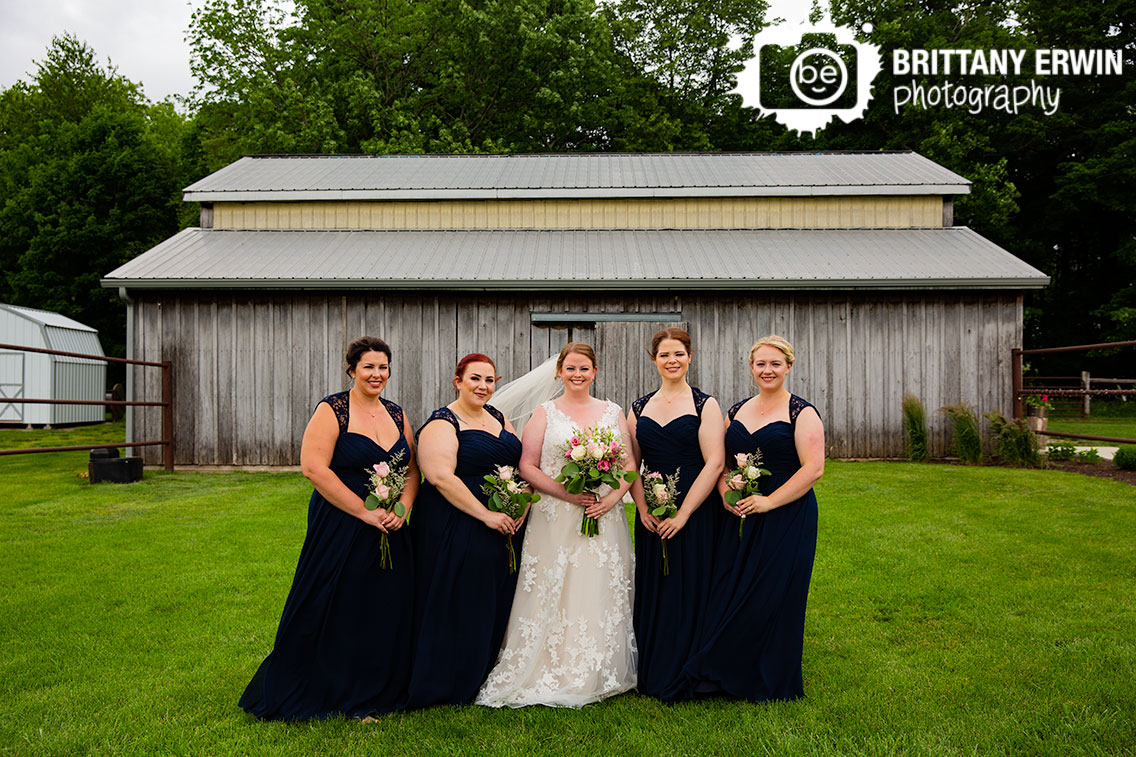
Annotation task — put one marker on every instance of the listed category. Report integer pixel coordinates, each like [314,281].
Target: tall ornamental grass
[915,430]
[967,441]
[1014,442]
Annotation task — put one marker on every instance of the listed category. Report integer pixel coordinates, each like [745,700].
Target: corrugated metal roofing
[952,257]
[46,318]
[416,177]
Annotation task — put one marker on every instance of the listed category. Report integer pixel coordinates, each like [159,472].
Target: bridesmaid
[465,590]
[674,428]
[752,644]
[344,641]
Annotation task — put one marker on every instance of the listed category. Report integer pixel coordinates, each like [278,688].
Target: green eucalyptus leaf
[732,497]
[571,469]
[495,502]
[630,476]
[659,510]
[371,502]
[399,509]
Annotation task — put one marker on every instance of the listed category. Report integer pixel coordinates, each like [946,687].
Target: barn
[854,257]
[32,375]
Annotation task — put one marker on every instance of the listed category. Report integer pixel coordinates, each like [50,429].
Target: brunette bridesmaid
[677,432]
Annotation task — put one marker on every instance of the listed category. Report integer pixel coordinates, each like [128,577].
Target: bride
[570,640]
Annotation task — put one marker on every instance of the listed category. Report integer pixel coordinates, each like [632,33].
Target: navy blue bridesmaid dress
[465,590]
[752,643]
[668,609]
[344,641]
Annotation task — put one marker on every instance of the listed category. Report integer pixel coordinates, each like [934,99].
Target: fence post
[1086,384]
[1016,361]
[168,416]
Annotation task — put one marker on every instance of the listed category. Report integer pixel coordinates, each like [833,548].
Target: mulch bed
[1106,469]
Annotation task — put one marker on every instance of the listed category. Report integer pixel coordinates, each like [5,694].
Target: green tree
[89,173]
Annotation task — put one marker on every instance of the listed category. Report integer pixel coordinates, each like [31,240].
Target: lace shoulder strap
[700,398]
[734,410]
[341,407]
[796,405]
[396,413]
[496,414]
[638,405]
[444,414]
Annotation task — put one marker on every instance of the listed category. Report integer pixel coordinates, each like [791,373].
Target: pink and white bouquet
[595,457]
[742,481]
[512,495]
[661,494]
[387,482]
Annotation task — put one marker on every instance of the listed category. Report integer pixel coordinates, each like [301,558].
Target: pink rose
[505,472]
[655,474]
[382,491]
[737,483]
[603,465]
[382,469]
[742,459]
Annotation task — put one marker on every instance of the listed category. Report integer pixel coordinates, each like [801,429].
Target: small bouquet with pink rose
[509,494]
[661,494]
[387,482]
[743,480]
[595,457]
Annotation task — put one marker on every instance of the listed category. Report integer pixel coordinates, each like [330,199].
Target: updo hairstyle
[576,348]
[362,346]
[669,333]
[773,340]
[473,357]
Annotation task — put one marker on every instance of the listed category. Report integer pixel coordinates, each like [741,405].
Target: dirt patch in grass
[1102,470]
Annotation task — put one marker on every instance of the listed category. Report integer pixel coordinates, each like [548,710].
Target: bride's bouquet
[595,457]
[742,481]
[661,494]
[510,495]
[387,481]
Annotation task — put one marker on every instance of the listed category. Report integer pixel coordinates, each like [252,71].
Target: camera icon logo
[807,74]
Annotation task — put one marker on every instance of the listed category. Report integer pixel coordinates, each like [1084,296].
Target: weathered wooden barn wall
[249,368]
[847,212]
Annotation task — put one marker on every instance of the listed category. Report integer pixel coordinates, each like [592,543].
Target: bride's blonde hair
[576,348]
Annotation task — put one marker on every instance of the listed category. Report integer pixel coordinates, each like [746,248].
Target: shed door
[11,386]
[626,369]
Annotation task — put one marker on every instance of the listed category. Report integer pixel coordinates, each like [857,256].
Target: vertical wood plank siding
[675,213]
[249,368]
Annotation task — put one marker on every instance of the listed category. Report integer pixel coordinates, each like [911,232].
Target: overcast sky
[143,38]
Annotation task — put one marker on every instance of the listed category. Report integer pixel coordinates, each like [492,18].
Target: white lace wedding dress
[570,640]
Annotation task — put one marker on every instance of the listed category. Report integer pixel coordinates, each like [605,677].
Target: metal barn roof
[442,177]
[941,258]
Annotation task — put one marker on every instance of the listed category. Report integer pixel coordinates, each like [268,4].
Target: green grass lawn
[953,610]
[1120,428]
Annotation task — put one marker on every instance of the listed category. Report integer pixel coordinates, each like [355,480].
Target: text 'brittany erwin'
[516,528]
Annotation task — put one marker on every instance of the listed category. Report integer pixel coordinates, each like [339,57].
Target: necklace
[373,413]
[669,400]
[481,424]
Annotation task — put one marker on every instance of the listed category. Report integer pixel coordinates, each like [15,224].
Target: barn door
[11,386]
[626,368]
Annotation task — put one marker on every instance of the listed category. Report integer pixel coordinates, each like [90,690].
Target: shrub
[1125,457]
[1089,455]
[1014,442]
[967,437]
[1061,451]
[915,429]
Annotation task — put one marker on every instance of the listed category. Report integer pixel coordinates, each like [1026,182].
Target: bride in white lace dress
[570,639]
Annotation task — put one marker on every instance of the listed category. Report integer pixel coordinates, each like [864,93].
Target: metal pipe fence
[167,405]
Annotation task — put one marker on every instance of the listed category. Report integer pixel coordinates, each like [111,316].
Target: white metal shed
[38,376]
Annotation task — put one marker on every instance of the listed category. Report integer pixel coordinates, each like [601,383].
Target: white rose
[513,487]
[506,472]
[751,473]
[661,493]
[578,452]
[596,451]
